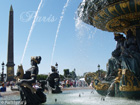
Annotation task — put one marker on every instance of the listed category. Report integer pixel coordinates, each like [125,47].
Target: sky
[80,46]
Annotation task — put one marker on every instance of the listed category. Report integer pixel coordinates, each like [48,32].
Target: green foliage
[85,74]
[101,72]
[42,77]
[61,77]
[73,75]
[66,72]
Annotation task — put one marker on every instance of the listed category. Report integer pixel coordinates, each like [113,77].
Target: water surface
[71,97]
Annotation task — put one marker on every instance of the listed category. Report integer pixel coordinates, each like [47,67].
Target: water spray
[58,28]
[80,26]
[31,29]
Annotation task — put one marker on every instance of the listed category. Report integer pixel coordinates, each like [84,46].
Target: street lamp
[99,70]
[56,66]
[98,67]
[75,77]
[2,75]
[74,69]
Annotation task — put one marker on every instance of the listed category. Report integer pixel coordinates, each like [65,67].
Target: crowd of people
[73,83]
[64,84]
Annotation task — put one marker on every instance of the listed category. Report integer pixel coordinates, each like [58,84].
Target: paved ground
[8,92]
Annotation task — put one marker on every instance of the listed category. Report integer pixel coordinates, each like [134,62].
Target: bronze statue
[120,45]
[130,58]
[131,43]
[114,62]
[125,56]
[30,95]
[53,81]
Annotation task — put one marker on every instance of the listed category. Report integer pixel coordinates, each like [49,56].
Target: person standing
[3,88]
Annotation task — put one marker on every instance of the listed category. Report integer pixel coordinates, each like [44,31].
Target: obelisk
[10,53]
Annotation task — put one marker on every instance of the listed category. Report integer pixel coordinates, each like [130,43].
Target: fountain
[118,16]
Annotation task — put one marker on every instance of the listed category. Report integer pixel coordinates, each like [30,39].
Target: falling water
[31,29]
[83,29]
[109,89]
[58,28]
[86,10]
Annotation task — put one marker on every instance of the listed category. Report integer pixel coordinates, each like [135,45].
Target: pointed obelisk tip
[11,8]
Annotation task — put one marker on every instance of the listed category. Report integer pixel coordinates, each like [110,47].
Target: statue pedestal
[57,90]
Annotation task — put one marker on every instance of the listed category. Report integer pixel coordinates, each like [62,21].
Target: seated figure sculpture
[125,56]
[130,58]
[28,94]
[53,81]
[114,62]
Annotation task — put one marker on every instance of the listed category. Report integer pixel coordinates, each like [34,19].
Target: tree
[42,77]
[85,74]
[73,75]
[61,77]
[101,73]
[66,72]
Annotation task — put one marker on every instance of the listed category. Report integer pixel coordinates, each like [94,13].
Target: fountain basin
[111,15]
[71,97]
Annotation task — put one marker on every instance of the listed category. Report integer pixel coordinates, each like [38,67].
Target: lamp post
[99,70]
[98,67]
[56,66]
[74,70]
[2,75]
[75,77]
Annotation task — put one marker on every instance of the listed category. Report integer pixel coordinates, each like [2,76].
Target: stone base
[10,79]
[57,90]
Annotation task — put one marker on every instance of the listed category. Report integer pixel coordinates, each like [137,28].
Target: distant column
[10,54]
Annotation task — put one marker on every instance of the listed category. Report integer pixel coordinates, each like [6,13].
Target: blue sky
[80,49]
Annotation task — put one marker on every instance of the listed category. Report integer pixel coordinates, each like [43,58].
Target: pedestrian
[3,88]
